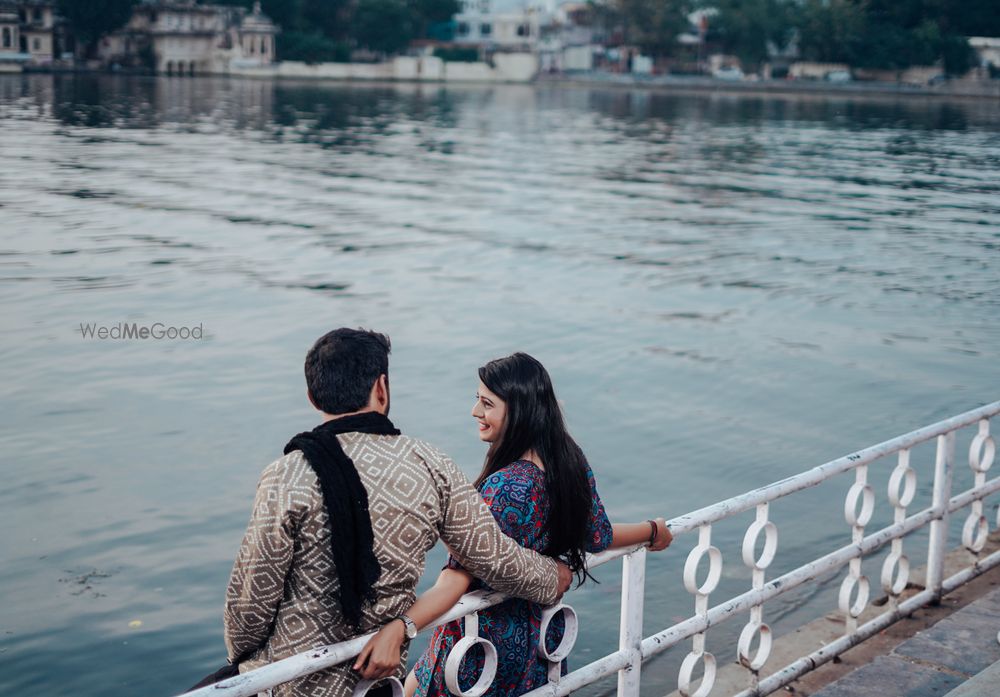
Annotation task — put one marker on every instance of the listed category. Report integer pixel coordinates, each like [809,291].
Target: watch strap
[410,625]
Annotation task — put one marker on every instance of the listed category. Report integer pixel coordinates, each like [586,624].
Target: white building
[560,35]
[499,24]
[37,29]
[568,41]
[987,49]
[178,37]
[27,32]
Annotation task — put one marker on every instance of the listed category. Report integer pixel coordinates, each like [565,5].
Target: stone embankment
[974,89]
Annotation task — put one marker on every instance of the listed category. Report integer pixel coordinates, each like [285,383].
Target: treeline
[311,30]
[889,34]
[329,30]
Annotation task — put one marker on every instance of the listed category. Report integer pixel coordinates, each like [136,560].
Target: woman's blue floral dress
[517,498]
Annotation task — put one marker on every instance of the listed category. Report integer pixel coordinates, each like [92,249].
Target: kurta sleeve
[256,584]
[511,500]
[482,548]
[600,532]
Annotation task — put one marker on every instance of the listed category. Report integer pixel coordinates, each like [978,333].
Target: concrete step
[937,661]
[986,683]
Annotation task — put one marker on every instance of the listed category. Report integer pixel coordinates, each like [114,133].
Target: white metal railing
[853,597]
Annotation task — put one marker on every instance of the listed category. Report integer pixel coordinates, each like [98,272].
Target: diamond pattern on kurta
[282,594]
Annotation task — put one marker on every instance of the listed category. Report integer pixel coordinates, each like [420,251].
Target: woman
[541,490]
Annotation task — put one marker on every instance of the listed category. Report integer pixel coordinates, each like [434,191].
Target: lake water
[727,290]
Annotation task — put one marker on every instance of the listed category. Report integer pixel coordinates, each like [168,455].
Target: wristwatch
[410,625]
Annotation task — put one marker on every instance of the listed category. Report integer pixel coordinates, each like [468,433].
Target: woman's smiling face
[490,412]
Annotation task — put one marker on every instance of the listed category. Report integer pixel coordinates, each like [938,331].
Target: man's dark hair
[342,366]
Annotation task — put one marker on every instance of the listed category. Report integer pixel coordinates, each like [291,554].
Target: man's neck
[331,417]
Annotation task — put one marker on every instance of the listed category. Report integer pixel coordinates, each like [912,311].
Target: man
[342,523]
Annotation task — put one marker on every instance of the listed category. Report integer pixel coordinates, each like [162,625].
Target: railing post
[630,638]
[943,470]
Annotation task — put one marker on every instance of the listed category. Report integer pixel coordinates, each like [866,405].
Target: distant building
[987,50]
[28,32]
[569,39]
[498,24]
[38,29]
[178,37]
[10,28]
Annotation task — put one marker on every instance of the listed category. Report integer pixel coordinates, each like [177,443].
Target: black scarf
[347,504]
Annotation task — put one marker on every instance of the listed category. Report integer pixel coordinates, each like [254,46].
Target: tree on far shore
[652,25]
[383,26]
[93,19]
[747,27]
[327,30]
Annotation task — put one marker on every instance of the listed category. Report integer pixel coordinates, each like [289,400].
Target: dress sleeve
[256,584]
[479,545]
[601,534]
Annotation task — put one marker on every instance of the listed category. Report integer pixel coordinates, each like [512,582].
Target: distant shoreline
[668,83]
[955,89]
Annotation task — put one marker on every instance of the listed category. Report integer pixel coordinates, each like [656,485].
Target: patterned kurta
[517,498]
[282,594]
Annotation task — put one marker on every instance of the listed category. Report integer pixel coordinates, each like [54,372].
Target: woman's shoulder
[519,476]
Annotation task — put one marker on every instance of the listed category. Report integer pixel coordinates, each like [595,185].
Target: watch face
[411,628]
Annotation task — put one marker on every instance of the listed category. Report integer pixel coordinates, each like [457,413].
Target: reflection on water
[726,289]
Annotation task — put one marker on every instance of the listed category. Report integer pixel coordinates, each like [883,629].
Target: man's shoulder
[429,453]
[399,447]
[290,469]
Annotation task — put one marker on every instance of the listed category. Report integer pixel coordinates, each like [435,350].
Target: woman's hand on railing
[663,536]
[381,656]
[653,533]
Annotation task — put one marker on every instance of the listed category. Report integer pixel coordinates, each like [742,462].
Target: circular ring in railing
[572,627]
[364,685]
[981,460]
[763,646]
[454,662]
[897,565]
[750,544]
[847,589]
[867,496]
[691,570]
[974,532]
[687,668]
[908,478]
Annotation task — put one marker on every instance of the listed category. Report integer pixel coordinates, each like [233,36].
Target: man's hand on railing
[380,657]
[663,536]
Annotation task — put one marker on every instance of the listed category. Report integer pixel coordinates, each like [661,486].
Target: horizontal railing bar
[662,641]
[835,648]
[250,683]
[670,636]
[962,500]
[809,478]
[581,677]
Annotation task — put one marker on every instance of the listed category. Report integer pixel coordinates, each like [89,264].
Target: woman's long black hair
[535,422]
